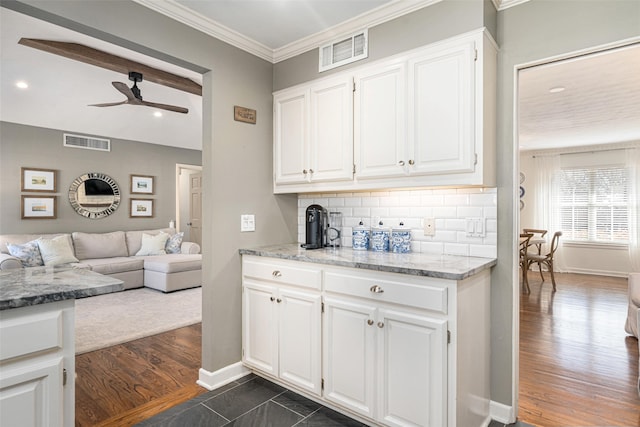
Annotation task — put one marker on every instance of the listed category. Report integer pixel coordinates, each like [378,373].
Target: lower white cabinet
[390,349]
[281,328]
[36,354]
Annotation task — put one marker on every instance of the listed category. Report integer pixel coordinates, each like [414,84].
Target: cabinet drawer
[388,288]
[30,334]
[282,272]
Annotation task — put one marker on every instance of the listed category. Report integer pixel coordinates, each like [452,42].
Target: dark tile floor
[251,402]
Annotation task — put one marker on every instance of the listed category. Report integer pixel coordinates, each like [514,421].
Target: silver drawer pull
[276,273]
[380,325]
[376,289]
[370,322]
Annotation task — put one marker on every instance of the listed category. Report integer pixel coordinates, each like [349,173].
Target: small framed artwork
[39,207]
[141,208]
[34,179]
[141,184]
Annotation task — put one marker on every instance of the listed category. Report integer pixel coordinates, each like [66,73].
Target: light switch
[247,222]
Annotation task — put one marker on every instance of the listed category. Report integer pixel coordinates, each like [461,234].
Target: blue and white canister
[401,239]
[360,237]
[380,238]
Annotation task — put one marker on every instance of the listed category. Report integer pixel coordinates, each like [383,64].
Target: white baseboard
[501,413]
[597,272]
[213,380]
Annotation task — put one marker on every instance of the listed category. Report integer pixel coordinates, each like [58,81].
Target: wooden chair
[524,244]
[537,240]
[545,259]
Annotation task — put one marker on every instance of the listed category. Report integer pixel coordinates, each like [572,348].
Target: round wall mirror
[94,195]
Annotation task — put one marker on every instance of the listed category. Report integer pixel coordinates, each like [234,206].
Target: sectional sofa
[153,258]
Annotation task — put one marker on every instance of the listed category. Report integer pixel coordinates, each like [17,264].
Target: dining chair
[524,245]
[547,259]
[537,240]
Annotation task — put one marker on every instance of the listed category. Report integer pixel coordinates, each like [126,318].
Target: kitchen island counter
[417,264]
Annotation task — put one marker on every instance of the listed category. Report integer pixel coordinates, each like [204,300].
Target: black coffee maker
[316,224]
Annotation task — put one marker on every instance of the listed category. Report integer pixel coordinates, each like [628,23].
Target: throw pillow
[153,244]
[173,243]
[28,253]
[56,251]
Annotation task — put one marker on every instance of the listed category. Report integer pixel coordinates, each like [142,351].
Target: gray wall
[530,32]
[29,146]
[236,157]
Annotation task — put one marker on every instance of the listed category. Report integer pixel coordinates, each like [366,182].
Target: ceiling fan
[134,97]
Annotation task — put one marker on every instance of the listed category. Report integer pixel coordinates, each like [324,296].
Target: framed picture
[39,207]
[141,208]
[141,184]
[34,179]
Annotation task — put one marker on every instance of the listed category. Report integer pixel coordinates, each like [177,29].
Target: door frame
[179,168]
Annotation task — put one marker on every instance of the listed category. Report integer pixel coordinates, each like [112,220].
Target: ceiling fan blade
[165,107]
[108,104]
[125,90]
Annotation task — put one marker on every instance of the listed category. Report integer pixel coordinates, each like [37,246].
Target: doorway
[189,202]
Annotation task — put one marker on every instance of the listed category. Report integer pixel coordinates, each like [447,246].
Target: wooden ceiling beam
[99,58]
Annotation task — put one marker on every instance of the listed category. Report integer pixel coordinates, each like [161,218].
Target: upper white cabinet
[422,118]
[313,133]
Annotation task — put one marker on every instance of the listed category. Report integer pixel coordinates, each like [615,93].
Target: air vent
[345,51]
[87,142]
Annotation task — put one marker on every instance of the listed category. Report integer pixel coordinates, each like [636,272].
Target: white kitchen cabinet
[281,323]
[313,133]
[33,387]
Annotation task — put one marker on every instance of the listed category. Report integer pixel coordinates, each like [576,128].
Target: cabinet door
[259,327]
[413,369]
[441,110]
[349,354]
[31,394]
[380,121]
[331,140]
[299,339]
[291,136]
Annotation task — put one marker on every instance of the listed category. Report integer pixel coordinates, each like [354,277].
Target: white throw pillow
[56,251]
[153,244]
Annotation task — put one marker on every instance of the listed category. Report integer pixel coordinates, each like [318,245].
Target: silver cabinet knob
[401,162]
[376,289]
[370,322]
[380,325]
[411,162]
[276,273]
[304,171]
[272,299]
[278,300]
[310,170]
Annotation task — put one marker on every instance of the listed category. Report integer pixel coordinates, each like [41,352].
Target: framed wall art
[39,207]
[38,180]
[142,184]
[141,208]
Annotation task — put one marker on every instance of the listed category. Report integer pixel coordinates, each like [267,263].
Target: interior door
[195,208]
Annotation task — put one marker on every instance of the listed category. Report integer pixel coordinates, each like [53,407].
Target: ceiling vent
[87,142]
[345,51]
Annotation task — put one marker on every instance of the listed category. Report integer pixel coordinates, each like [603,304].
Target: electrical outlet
[429,226]
[247,223]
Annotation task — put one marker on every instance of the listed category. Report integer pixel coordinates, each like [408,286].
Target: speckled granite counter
[417,264]
[41,285]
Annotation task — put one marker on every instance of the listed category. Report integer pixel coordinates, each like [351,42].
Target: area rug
[106,320]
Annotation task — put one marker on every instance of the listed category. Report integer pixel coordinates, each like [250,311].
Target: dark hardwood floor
[127,383]
[577,365]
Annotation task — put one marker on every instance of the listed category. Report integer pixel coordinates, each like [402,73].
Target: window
[593,204]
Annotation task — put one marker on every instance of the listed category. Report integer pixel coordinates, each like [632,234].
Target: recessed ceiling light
[157,114]
[22,84]
[556,89]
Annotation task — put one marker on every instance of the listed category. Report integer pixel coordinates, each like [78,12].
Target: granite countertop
[40,285]
[417,264]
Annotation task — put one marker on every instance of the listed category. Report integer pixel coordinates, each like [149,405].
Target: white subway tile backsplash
[449,208]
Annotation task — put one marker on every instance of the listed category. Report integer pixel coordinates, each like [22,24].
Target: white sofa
[114,254]
[632,325]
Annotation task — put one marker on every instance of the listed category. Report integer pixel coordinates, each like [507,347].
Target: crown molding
[379,15]
[506,4]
